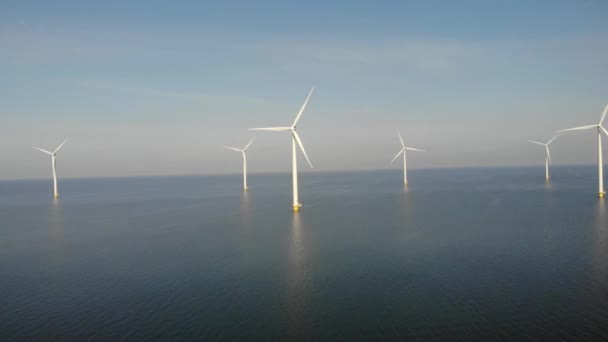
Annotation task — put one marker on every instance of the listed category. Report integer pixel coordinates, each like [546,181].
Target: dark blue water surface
[469,254]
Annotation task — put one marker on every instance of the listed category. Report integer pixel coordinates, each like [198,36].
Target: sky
[159,87]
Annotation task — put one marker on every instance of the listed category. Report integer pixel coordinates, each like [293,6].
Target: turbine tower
[244,151]
[403,150]
[547,155]
[295,139]
[54,164]
[600,165]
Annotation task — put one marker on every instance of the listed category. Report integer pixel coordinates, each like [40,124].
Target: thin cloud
[428,56]
[421,55]
[152,92]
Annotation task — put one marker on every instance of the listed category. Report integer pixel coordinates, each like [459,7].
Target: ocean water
[467,254]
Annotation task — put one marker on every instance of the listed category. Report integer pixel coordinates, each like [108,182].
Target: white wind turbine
[244,151]
[54,163]
[547,154]
[600,164]
[403,150]
[295,139]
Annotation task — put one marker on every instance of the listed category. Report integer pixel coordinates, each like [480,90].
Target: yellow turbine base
[55,196]
[245,189]
[601,194]
[296,208]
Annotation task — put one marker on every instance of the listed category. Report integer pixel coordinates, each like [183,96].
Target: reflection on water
[600,247]
[471,255]
[246,204]
[548,208]
[56,231]
[593,294]
[407,215]
[298,282]
[246,211]
[548,185]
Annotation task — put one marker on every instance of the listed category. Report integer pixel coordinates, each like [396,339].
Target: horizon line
[316,171]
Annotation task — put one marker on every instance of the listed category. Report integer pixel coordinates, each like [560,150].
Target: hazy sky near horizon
[158,87]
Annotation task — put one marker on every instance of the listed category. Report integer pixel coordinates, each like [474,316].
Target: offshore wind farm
[149,226]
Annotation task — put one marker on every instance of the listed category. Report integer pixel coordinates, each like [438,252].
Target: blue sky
[157,87]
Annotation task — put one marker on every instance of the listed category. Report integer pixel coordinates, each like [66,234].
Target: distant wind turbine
[600,165]
[403,150]
[54,164]
[295,140]
[244,151]
[547,154]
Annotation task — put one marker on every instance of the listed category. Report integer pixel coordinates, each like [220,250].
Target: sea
[472,254]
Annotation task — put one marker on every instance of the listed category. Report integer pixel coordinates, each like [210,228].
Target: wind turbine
[403,149]
[548,155]
[295,138]
[54,163]
[600,165]
[244,150]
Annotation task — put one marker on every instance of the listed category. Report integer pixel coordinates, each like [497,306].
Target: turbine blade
[271,129]
[295,122]
[233,148]
[578,128]
[549,155]
[413,149]
[550,141]
[60,146]
[603,129]
[537,143]
[297,137]
[604,114]
[397,156]
[45,151]
[401,139]
[246,147]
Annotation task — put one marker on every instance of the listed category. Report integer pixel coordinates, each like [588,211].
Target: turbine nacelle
[600,128]
[295,141]
[292,128]
[546,145]
[599,125]
[404,148]
[243,150]
[54,153]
